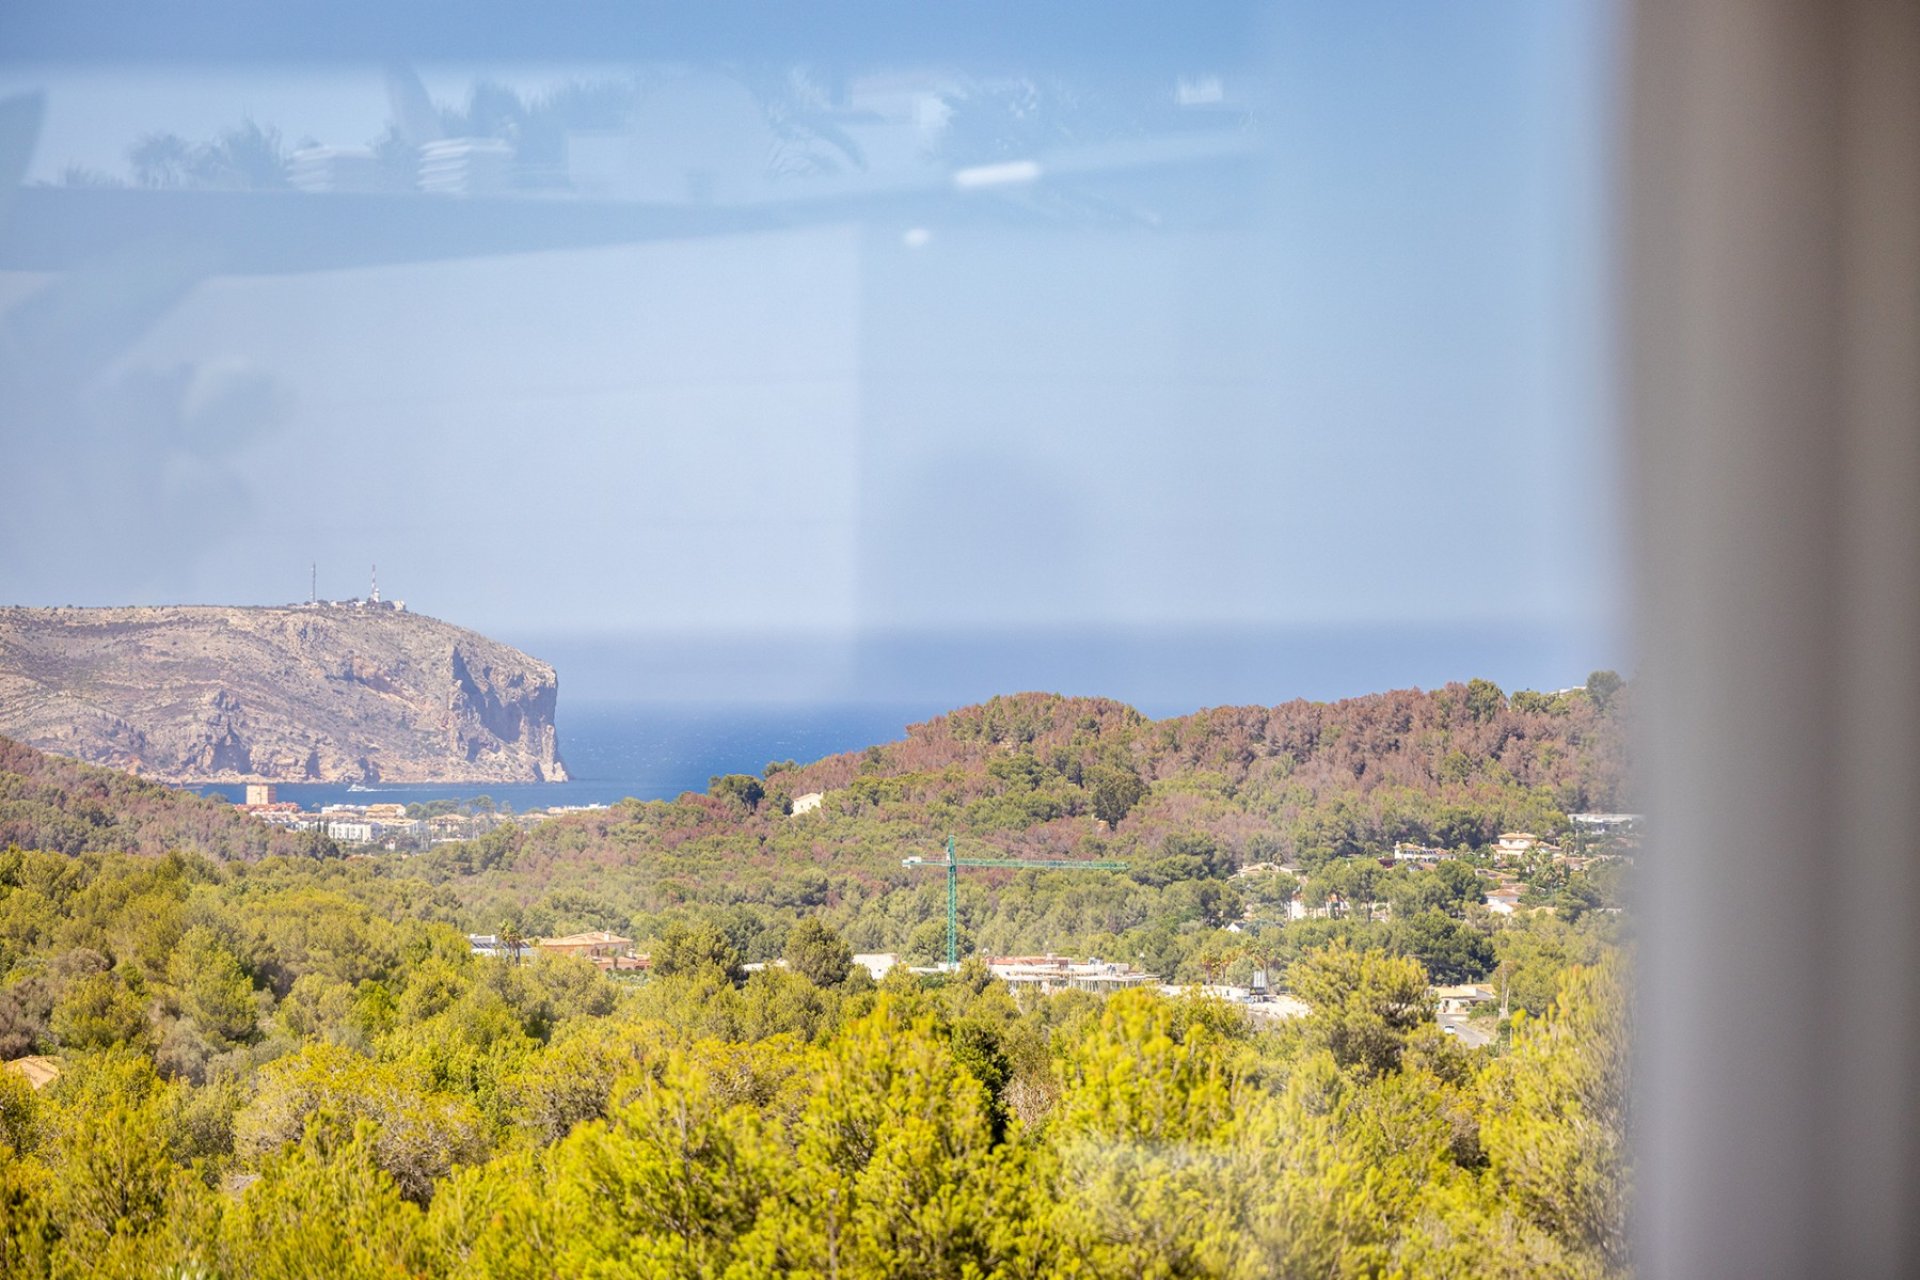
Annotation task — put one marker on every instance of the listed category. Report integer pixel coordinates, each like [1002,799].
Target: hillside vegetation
[1326,787]
[49,802]
[274,1066]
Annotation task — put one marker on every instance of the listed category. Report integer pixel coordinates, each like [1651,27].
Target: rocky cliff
[315,693]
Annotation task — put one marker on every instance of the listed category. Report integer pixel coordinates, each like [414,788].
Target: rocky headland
[297,694]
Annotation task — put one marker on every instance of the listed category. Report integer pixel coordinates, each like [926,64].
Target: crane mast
[953,865]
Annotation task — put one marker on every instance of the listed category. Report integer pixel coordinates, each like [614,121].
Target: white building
[1048,974]
[1461,999]
[1419,856]
[465,166]
[807,803]
[877,963]
[494,947]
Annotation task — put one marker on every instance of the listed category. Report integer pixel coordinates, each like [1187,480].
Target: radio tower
[376,585]
[313,584]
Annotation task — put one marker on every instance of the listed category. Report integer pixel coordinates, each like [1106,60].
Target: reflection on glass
[805,411]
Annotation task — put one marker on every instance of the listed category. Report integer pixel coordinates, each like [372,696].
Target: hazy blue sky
[1354,379]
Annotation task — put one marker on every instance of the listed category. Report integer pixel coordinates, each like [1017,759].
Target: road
[1474,1035]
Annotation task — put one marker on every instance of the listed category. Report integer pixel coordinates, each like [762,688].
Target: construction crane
[953,865]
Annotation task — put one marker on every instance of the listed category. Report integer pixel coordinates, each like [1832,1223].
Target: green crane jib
[953,865]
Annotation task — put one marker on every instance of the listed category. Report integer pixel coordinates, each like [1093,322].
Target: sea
[644,751]
[650,718]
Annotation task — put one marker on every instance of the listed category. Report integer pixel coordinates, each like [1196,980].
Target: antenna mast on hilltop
[313,584]
[375,597]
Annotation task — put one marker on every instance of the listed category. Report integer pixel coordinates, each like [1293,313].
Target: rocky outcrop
[314,693]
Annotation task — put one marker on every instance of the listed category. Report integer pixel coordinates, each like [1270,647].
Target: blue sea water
[647,751]
[650,718]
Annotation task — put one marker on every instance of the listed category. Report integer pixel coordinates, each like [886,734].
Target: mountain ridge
[330,692]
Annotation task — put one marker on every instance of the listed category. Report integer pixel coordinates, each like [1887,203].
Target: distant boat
[354,786]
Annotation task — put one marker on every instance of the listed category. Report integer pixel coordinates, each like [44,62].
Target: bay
[646,751]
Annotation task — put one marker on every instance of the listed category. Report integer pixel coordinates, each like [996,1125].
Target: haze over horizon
[1325,415]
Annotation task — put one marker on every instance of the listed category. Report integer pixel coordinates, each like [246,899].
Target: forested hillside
[50,802]
[1329,787]
[1454,766]
[278,1070]
[1325,787]
[274,1066]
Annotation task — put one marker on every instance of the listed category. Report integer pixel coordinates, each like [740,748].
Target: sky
[1349,382]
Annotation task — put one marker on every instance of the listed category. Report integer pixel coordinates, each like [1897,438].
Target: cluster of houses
[1050,974]
[1597,837]
[1042,975]
[385,825]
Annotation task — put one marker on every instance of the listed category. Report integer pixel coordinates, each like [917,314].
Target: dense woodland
[1326,787]
[276,1061]
[49,802]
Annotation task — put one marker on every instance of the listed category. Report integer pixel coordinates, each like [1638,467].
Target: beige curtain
[1773,342]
